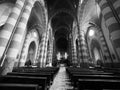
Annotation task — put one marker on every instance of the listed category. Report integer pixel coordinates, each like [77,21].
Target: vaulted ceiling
[62,13]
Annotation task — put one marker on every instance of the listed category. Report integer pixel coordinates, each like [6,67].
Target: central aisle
[61,81]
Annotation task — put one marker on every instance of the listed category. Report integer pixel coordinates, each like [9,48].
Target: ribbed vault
[37,18]
[61,15]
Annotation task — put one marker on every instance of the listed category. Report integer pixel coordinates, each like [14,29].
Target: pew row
[49,76]
[98,84]
[40,81]
[79,76]
[14,86]
[36,69]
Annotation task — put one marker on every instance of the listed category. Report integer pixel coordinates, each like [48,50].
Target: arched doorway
[96,53]
[31,54]
[94,45]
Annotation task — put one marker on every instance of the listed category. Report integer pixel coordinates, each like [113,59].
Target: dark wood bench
[87,71]
[43,71]
[112,70]
[49,76]
[41,81]
[31,69]
[98,84]
[77,73]
[75,77]
[13,86]
[96,77]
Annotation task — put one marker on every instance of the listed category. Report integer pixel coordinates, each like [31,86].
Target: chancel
[60,44]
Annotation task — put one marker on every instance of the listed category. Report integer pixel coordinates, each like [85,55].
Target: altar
[62,59]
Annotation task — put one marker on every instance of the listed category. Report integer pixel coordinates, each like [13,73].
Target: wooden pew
[44,73]
[78,73]
[49,76]
[98,84]
[31,69]
[41,81]
[75,77]
[112,70]
[47,70]
[13,86]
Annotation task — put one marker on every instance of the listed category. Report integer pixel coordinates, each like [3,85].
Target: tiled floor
[61,81]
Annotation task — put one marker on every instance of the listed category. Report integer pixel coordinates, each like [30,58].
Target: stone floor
[61,81]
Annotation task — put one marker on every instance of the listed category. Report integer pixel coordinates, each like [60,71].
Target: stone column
[46,49]
[23,52]
[108,58]
[79,53]
[43,49]
[50,53]
[109,9]
[6,32]
[70,49]
[17,38]
[38,54]
[74,53]
[83,53]
[54,61]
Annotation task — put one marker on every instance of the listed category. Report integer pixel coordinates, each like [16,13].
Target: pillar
[9,28]
[43,49]
[70,49]
[23,52]
[17,61]
[38,54]
[46,49]
[74,53]
[50,54]
[83,53]
[54,61]
[79,53]
[17,38]
[50,50]
[108,60]
[111,16]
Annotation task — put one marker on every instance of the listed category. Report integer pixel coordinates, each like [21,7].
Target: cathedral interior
[60,44]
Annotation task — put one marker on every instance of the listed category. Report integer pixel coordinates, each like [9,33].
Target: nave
[36,36]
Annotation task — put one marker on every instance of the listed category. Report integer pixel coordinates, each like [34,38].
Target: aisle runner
[61,81]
